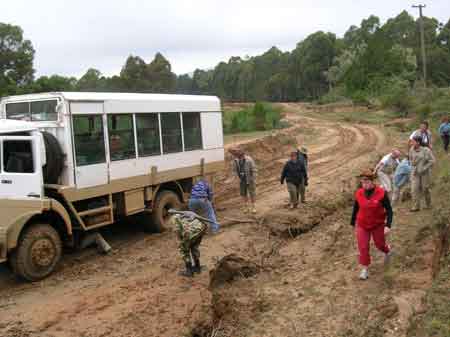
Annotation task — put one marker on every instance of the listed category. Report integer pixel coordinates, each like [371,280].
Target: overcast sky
[71,36]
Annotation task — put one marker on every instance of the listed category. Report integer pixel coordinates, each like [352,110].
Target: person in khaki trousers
[422,160]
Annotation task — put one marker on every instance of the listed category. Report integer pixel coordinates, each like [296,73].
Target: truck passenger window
[19,111]
[89,140]
[18,156]
[192,131]
[171,132]
[43,110]
[33,111]
[148,135]
[121,137]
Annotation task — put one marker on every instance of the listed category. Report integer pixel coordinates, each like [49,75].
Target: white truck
[72,162]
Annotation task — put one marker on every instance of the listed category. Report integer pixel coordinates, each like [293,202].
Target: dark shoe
[188,272]
[414,210]
[197,268]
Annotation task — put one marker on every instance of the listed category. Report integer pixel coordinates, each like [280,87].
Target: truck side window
[20,111]
[89,140]
[43,110]
[121,137]
[18,156]
[171,132]
[148,135]
[192,131]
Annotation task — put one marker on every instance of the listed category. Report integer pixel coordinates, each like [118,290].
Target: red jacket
[371,212]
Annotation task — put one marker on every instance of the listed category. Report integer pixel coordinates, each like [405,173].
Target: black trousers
[446,141]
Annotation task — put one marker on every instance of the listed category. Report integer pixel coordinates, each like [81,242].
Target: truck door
[89,145]
[21,167]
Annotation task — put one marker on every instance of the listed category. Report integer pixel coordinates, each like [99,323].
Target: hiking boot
[197,268]
[364,275]
[188,272]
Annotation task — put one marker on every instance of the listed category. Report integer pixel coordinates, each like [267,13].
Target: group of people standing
[372,209]
[372,214]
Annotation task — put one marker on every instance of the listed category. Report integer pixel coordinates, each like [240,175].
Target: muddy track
[136,291]
[339,149]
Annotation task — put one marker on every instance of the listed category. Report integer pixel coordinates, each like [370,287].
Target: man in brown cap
[422,160]
[245,169]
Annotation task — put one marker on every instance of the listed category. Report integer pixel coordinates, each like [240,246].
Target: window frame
[100,116]
[181,132]
[201,131]
[158,127]
[2,147]
[29,113]
[133,133]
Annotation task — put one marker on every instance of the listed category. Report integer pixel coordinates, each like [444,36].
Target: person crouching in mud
[190,231]
[372,214]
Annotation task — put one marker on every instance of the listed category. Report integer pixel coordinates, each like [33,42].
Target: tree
[311,59]
[92,81]
[52,83]
[16,59]
[184,84]
[133,75]
[159,75]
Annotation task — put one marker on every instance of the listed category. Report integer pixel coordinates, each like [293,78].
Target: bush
[397,96]
[260,117]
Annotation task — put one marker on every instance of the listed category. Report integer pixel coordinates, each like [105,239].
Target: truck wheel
[38,252]
[164,201]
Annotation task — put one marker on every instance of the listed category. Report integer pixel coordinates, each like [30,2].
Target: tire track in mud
[342,148]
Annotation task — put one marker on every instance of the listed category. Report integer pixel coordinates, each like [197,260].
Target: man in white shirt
[424,133]
[385,170]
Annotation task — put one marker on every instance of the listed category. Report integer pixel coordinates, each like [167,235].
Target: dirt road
[308,285]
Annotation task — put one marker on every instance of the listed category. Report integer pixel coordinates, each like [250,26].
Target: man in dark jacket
[294,172]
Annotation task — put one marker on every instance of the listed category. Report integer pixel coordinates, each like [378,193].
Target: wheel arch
[56,216]
[173,186]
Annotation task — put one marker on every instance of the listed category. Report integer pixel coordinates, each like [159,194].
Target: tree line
[367,60]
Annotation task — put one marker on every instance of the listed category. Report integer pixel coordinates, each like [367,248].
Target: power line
[422,43]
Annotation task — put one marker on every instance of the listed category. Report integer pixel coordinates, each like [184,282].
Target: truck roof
[107,96]
[11,126]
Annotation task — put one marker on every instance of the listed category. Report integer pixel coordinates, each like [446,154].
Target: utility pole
[422,42]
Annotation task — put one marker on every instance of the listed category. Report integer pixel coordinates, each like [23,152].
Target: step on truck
[72,162]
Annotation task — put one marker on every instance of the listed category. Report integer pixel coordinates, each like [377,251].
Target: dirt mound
[229,268]
[296,222]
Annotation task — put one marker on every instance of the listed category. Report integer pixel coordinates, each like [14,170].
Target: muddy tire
[164,201]
[38,252]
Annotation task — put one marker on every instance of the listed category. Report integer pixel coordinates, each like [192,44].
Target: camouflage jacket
[188,228]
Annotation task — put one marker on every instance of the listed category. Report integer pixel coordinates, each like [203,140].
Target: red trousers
[363,237]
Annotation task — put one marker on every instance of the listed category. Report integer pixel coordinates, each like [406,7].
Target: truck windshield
[33,111]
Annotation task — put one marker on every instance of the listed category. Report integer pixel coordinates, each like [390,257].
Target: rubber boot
[197,267]
[188,272]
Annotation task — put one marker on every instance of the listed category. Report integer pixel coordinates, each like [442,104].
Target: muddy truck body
[71,163]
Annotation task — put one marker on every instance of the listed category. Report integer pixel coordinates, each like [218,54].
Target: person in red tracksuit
[372,214]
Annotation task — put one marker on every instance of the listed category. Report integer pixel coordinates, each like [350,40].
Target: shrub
[260,117]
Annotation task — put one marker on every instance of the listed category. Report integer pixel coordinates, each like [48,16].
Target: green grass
[358,117]
[258,117]
[245,136]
